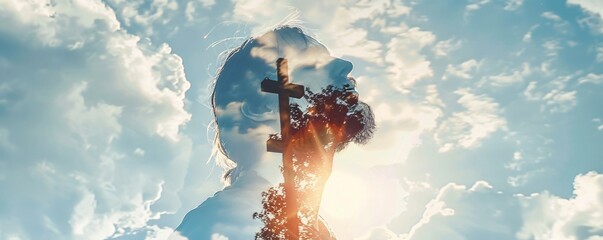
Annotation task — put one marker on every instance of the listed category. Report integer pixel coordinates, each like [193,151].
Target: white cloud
[354,42]
[80,117]
[476,5]
[400,127]
[337,30]
[600,54]
[551,217]
[146,16]
[217,236]
[197,11]
[454,214]
[551,47]
[443,48]
[593,6]
[594,9]
[558,23]
[523,178]
[560,101]
[551,16]
[516,162]
[407,64]
[599,123]
[139,152]
[463,70]
[90,97]
[165,233]
[513,5]
[481,212]
[340,33]
[254,12]
[532,150]
[207,3]
[591,78]
[553,95]
[528,36]
[44,20]
[432,96]
[506,79]
[465,129]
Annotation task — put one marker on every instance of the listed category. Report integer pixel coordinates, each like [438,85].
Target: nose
[340,68]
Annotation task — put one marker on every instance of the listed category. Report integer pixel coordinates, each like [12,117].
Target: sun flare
[344,196]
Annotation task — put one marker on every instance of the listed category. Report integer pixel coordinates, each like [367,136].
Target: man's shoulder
[229,212]
[223,204]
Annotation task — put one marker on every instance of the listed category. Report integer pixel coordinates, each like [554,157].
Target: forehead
[289,43]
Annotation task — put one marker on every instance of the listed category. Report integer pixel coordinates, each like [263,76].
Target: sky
[489,117]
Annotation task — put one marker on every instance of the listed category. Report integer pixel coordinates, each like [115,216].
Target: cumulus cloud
[192,9]
[337,30]
[400,127]
[254,12]
[116,111]
[354,42]
[406,63]
[217,236]
[465,129]
[481,212]
[146,17]
[551,217]
[90,142]
[593,6]
[594,9]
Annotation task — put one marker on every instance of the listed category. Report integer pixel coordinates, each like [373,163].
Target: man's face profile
[331,96]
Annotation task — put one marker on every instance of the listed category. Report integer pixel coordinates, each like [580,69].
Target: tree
[330,121]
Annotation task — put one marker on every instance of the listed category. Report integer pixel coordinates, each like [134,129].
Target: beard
[360,123]
[335,116]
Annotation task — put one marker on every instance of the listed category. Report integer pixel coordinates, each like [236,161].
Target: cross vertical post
[285,90]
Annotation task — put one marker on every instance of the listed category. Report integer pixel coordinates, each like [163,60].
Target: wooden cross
[285,90]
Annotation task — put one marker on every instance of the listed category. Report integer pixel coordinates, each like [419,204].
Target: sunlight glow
[345,195]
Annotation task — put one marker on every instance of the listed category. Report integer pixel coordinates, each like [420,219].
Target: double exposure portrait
[301,120]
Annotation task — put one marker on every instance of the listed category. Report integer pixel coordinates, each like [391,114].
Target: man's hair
[246,78]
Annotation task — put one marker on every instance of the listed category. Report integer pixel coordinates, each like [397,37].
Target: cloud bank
[91,119]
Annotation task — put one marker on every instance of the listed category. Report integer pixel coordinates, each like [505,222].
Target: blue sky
[489,115]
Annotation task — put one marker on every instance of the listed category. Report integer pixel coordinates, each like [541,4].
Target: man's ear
[268,115]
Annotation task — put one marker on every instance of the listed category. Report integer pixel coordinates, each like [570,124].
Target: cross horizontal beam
[289,89]
[275,145]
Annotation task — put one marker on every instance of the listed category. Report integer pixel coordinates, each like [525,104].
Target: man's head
[245,115]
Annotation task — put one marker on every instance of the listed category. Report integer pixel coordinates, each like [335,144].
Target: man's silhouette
[325,120]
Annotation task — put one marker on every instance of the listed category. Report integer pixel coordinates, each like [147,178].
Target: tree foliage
[330,121]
